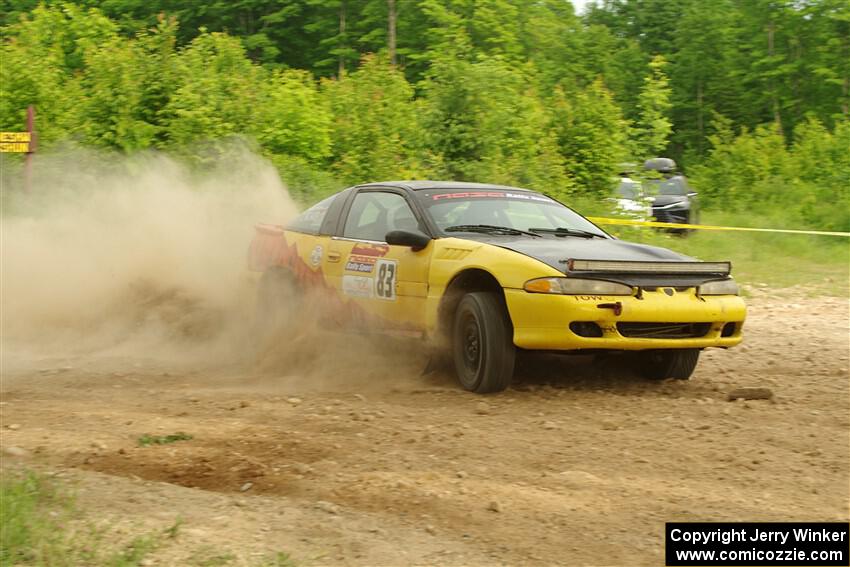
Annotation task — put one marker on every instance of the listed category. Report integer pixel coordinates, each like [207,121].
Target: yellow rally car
[484,270]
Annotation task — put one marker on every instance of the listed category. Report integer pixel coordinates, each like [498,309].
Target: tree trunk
[391,24]
[845,85]
[700,124]
[342,39]
[771,29]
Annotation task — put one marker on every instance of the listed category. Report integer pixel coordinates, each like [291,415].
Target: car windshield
[672,186]
[502,212]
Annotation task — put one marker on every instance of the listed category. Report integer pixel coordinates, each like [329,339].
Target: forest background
[750,97]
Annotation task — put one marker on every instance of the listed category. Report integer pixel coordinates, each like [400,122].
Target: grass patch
[33,514]
[147,440]
[41,526]
[279,559]
[209,557]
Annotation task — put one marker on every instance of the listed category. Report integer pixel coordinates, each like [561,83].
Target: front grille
[663,330]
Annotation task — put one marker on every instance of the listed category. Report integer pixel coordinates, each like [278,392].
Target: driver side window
[373,214]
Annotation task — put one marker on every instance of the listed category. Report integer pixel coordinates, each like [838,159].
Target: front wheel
[672,363]
[482,343]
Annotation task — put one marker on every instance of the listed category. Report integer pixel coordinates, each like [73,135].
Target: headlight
[576,286]
[719,287]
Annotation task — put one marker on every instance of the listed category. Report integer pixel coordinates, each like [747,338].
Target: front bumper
[675,216]
[543,321]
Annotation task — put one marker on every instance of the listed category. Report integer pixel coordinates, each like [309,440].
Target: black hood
[555,251]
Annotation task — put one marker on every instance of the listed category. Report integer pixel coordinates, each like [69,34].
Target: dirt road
[367,463]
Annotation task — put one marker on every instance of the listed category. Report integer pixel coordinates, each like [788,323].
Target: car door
[387,283]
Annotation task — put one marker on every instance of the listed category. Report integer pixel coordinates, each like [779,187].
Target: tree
[831,58]
[376,128]
[41,56]
[592,136]
[654,126]
[292,117]
[700,72]
[488,123]
[127,83]
[218,94]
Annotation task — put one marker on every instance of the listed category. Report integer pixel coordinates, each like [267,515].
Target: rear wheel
[482,343]
[663,364]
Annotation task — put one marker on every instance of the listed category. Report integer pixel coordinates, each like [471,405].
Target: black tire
[482,343]
[279,301]
[672,363]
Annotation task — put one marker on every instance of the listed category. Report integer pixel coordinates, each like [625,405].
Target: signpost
[22,143]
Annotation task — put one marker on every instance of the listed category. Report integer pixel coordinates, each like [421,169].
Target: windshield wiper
[489,228]
[563,231]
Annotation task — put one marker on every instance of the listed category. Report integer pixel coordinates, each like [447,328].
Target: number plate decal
[386,275]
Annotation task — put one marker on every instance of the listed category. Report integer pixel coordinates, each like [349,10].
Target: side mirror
[414,239]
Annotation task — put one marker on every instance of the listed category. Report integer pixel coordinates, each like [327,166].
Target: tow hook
[617,307]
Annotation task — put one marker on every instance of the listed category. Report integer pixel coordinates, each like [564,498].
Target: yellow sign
[15,137]
[15,142]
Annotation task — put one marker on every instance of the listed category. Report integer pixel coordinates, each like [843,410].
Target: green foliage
[654,126]
[377,132]
[279,559]
[307,184]
[592,136]
[757,170]
[217,95]
[29,531]
[487,122]
[701,74]
[40,525]
[40,57]
[147,439]
[518,92]
[820,264]
[292,118]
[126,83]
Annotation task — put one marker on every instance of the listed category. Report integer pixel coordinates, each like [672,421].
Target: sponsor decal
[316,256]
[359,267]
[372,250]
[360,264]
[386,274]
[363,257]
[357,286]
[491,194]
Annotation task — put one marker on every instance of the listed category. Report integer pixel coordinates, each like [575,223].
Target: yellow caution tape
[630,222]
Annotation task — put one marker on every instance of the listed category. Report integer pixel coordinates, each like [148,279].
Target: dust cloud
[114,254]
[115,262]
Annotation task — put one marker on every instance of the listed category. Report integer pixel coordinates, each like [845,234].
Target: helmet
[661,164]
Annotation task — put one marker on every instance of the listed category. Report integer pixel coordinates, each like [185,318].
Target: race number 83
[385,278]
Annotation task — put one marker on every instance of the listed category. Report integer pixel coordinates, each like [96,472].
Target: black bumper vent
[679,217]
[663,330]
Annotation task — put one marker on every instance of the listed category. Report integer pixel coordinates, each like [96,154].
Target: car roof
[419,185]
